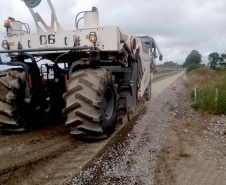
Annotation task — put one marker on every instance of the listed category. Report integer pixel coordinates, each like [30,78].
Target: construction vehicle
[99,75]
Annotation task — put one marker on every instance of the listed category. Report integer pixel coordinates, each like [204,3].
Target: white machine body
[108,40]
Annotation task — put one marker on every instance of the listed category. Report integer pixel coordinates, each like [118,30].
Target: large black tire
[15,114]
[12,86]
[91,103]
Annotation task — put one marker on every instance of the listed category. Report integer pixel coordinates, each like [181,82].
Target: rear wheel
[91,103]
[12,83]
[15,115]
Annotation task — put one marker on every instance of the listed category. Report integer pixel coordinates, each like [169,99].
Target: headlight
[5,45]
[92,37]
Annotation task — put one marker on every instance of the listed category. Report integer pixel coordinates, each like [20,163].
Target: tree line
[217,60]
[169,64]
[194,60]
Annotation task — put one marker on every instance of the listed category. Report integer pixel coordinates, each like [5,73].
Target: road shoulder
[194,150]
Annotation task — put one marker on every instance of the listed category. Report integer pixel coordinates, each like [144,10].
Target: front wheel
[91,103]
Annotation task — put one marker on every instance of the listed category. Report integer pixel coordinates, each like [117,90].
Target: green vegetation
[184,154]
[159,70]
[217,61]
[166,150]
[193,61]
[171,64]
[193,58]
[210,90]
[167,67]
[192,67]
[172,108]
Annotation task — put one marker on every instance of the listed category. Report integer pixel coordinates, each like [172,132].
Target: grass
[206,81]
[184,154]
[172,108]
[166,150]
[159,70]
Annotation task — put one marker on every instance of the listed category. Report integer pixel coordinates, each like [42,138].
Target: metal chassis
[93,56]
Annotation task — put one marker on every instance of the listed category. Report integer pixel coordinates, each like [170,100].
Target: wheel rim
[108,103]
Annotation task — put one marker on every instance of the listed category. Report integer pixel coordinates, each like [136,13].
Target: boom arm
[38,18]
[156,46]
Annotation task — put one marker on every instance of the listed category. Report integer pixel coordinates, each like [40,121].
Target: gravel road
[50,155]
[168,143]
[132,155]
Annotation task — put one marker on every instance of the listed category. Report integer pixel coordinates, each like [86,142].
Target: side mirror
[160,57]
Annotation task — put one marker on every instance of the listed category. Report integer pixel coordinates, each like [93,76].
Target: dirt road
[50,155]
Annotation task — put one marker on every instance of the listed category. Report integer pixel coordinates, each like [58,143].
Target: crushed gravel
[131,157]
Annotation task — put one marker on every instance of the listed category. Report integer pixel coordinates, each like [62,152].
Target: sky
[178,26]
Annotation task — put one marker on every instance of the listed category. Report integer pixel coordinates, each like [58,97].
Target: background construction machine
[106,75]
